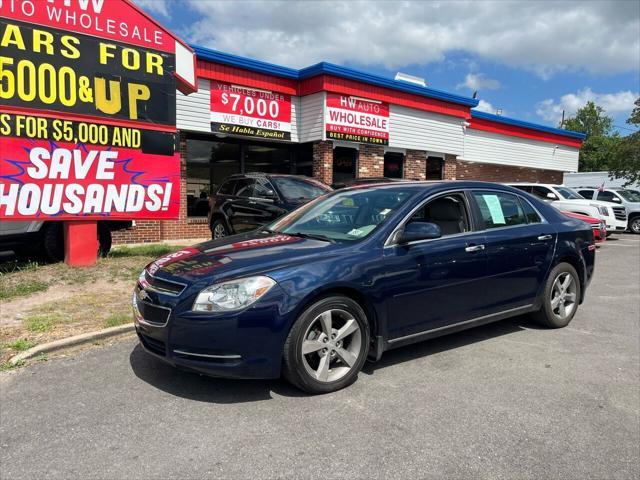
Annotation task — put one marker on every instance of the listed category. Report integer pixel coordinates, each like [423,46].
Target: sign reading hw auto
[87,111]
[355,119]
[237,110]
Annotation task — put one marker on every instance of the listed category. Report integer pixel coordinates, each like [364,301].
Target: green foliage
[39,323]
[153,250]
[117,319]
[625,163]
[21,289]
[21,344]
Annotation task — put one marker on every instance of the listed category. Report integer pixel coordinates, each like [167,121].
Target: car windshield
[569,193]
[345,216]
[629,195]
[296,188]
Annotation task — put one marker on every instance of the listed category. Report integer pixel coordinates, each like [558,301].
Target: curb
[71,342]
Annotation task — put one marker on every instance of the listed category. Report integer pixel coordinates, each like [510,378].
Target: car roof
[421,184]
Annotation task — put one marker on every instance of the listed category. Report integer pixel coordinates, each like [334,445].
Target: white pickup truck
[565,198]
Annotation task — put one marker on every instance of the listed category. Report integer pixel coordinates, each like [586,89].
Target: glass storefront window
[344,164]
[434,168]
[267,158]
[393,162]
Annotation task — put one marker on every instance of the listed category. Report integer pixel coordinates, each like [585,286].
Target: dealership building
[335,124]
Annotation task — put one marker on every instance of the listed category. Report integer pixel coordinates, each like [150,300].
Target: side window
[263,189]
[541,192]
[605,196]
[530,212]
[448,212]
[586,193]
[245,187]
[499,209]
[227,188]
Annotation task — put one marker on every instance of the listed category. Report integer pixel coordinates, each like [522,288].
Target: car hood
[238,256]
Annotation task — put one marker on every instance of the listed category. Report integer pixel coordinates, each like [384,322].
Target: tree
[600,144]
[626,159]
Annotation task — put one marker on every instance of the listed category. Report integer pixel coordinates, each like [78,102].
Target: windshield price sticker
[238,110]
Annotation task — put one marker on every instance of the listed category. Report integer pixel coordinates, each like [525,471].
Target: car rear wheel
[634,225]
[218,229]
[327,346]
[561,297]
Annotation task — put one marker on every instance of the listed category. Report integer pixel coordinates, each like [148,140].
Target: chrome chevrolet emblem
[142,295]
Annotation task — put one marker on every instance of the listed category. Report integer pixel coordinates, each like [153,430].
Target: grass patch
[21,289]
[153,250]
[18,266]
[4,366]
[21,344]
[117,319]
[39,323]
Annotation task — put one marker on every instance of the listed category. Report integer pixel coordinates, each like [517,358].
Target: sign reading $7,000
[44,68]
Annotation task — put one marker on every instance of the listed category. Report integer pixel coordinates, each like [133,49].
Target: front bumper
[243,344]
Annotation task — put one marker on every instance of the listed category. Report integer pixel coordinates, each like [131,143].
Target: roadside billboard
[355,119]
[88,111]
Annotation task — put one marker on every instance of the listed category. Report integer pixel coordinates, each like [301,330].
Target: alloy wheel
[563,295]
[219,231]
[331,345]
[635,225]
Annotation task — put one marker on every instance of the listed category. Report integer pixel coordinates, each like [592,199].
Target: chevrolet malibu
[359,271]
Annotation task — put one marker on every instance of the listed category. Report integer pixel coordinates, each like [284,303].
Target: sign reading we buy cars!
[87,111]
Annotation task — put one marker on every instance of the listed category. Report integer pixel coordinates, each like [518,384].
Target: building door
[393,162]
[344,164]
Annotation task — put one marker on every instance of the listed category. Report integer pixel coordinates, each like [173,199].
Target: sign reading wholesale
[88,111]
[355,119]
[237,110]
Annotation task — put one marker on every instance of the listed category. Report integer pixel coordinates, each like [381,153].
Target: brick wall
[145,231]
[501,173]
[323,161]
[370,161]
[449,167]
[415,165]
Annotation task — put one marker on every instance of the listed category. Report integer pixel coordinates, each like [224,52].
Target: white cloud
[542,36]
[158,7]
[484,106]
[612,103]
[479,82]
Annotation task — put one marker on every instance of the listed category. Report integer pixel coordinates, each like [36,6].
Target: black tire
[634,225]
[218,225]
[104,240]
[294,369]
[546,316]
[53,241]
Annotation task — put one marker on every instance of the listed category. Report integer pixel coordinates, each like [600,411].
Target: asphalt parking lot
[508,400]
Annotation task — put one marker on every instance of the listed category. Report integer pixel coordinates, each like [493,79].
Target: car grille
[150,313]
[164,286]
[155,346]
[620,213]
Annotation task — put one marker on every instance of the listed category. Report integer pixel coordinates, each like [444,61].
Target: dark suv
[247,201]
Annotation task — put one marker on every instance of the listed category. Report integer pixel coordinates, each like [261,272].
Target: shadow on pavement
[201,388]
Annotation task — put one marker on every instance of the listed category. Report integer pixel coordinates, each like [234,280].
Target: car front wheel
[218,229]
[634,225]
[327,346]
[560,298]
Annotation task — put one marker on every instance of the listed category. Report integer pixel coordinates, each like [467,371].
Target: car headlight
[232,295]
[602,210]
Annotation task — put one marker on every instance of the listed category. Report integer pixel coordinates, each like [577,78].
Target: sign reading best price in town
[88,111]
[355,119]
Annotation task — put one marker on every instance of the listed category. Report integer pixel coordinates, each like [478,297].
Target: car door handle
[545,237]
[474,248]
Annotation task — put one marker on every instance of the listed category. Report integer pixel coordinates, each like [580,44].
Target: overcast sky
[530,59]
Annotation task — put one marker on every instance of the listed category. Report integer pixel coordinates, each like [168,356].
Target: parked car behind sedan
[628,198]
[598,226]
[360,271]
[245,202]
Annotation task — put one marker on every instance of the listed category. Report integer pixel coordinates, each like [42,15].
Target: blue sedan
[359,271]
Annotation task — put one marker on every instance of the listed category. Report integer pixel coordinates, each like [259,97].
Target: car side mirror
[616,199]
[419,231]
[552,196]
